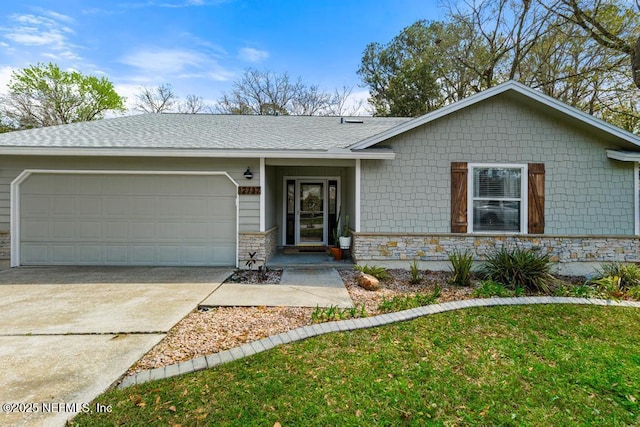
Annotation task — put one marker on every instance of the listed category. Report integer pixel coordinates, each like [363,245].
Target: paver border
[304,332]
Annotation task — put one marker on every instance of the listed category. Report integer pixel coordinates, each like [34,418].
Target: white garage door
[104,219]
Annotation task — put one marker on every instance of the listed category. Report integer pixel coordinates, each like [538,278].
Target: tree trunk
[635,63]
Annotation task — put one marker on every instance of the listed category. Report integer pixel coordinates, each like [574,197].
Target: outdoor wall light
[248,174]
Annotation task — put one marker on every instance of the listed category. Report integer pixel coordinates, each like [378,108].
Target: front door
[311,214]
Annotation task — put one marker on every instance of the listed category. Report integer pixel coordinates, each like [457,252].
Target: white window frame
[524,206]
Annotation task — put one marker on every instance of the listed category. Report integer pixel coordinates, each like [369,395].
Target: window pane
[496,183]
[496,215]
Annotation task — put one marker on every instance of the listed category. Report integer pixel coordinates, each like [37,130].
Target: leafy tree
[43,95]
[487,42]
[401,76]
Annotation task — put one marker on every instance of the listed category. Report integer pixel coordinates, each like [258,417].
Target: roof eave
[624,156]
[174,152]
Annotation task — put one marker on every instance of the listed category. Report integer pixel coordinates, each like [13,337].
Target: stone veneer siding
[5,245]
[372,247]
[264,244]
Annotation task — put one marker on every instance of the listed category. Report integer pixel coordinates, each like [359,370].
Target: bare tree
[156,100]
[193,104]
[595,17]
[339,103]
[310,101]
[261,92]
[265,92]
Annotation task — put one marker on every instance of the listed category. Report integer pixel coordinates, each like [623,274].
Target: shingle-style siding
[12,166]
[586,193]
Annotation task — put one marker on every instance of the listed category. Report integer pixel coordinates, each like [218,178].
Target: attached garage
[125,218]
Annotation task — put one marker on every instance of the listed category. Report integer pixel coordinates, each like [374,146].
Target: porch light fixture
[248,174]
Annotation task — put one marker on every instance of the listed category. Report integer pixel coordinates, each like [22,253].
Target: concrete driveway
[67,333]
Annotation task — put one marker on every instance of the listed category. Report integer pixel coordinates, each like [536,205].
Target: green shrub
[629,274]
[415,273]
[461,263]
[379,273]
[490,288]
[609,286]
[520,268]
[584,290]
[634,292]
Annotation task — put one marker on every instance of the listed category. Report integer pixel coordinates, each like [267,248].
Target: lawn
[515,365]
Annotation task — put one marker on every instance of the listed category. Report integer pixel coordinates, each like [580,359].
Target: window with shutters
[497,198]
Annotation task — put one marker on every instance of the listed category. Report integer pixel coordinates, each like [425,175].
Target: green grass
[518,365]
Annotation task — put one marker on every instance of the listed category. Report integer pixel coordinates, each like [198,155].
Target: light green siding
[586,193]
[12,166]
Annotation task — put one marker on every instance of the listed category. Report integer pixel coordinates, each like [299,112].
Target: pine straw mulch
[204,332]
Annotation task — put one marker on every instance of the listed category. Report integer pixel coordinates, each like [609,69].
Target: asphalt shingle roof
[206,131]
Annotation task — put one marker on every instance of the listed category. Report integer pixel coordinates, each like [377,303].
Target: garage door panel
[62,254]
[116,255]
[88,231]
[116,206]
[88,206]
[115,230]
[106,219]
[38,206]
[34,229]
[143,231]
[61,230]
[37,253]
[60,206]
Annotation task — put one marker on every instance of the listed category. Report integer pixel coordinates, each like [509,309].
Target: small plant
[610,286]
[336,229]
[519,267]
[379,273]
[406,302]
[461,263]
[333,313]
[345,228]
[251,261]
[415,273]
[629,274]
[584,290]
[490,288]
[634,293]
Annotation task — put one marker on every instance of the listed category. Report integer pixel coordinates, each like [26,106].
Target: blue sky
[201,46]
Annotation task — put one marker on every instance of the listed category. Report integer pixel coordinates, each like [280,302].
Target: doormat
[305,250]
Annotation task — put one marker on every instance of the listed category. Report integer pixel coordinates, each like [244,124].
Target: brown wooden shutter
[536,198]
[458,197]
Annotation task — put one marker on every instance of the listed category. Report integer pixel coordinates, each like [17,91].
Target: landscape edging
[304,332]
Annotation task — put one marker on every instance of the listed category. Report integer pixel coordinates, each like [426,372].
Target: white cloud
[5,76]
[356,104]
[165,64]
[48,31]
[170,61]
[250,54]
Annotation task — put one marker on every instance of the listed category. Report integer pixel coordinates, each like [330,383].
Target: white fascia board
[624,156]
[510,85]
[150,152]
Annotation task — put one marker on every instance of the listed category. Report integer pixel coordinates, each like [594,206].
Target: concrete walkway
[298,287]
[305,332]
[68,333]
